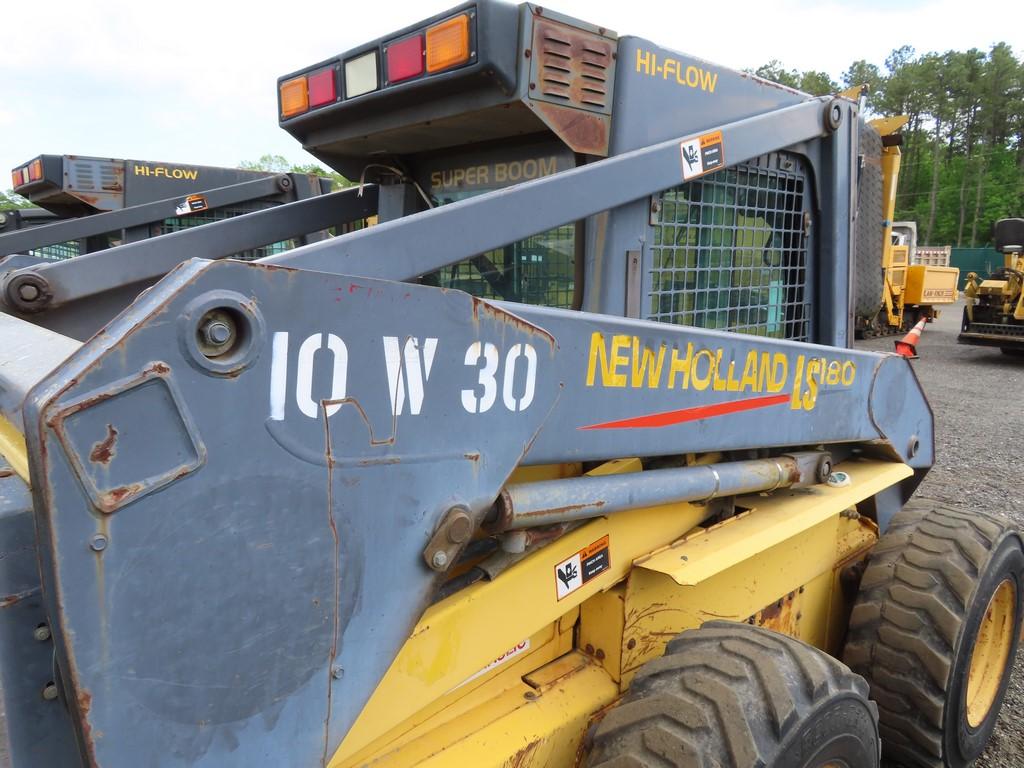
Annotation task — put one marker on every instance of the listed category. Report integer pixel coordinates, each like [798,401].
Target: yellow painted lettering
[548,165]
[835,372]
[731,383]
[682,365]
[618,360]
[796,401]
[708,81]
[849,372]
[645,361]
[764,370]
[810,397]
[599,357]
[749,381]
[643,61]
[718,383]
[780,370]
[701,382]
[692,76]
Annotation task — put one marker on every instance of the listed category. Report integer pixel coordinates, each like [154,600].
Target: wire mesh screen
[730,251]
[177,223]
[57,252]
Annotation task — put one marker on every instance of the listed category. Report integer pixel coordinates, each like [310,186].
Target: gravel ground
[974,393]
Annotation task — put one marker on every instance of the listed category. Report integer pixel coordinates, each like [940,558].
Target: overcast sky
[195,81]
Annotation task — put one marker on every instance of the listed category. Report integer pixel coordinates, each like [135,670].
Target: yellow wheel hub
[991,653]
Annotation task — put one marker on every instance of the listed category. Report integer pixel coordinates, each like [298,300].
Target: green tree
[775,72]
[280,164]
[10,201]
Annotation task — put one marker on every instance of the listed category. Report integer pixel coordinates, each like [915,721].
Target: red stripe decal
[668,418]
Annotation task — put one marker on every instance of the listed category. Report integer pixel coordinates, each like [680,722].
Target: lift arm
[270,564]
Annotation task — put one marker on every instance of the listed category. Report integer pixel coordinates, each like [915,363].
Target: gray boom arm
[239,540]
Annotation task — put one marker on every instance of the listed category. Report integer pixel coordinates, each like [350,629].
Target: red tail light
[405,59]
[322,87]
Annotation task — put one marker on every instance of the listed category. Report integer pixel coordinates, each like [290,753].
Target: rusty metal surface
[572,78]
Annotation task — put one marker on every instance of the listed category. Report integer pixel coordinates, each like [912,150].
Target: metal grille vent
[730,251]
[89,175]
[108,177]
[82,177]
[573,66]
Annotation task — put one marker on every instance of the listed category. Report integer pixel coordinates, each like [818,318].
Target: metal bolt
[50,692]
[531,695]
[460,527]
[439,559]
[217,333]
[98,543]
[41,633]
[28,292]
[337,673]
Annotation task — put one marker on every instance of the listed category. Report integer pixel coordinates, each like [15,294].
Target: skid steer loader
[87,204]
[566,461]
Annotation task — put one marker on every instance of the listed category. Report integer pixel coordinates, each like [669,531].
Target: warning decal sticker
[702,154]
[191,204]
[573,572]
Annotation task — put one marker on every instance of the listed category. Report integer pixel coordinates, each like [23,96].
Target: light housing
[15,178]
[361,74]
[322,87]
[448,43]
[294,97]
[405,59]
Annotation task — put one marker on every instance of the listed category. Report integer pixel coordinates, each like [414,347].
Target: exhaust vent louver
[572,67]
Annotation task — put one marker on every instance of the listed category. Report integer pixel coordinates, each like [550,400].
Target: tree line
[963,146]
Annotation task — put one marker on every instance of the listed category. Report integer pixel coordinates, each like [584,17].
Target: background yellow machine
[994,315]
[567,461]
[912,283]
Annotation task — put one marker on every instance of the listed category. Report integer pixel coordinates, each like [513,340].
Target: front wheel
[935,629]
[738,696]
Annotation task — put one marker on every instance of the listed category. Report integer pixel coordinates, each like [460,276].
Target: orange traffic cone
[907,346]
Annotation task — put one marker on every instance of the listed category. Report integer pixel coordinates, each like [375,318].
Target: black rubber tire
[915,622]
[736,696]
[868,275]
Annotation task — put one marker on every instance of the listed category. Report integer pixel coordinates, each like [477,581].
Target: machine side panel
[660,93]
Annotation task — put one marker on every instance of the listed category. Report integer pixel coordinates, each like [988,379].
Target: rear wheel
[935,629]
[738,696]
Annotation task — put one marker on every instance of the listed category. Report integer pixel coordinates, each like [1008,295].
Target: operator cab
[490,95]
